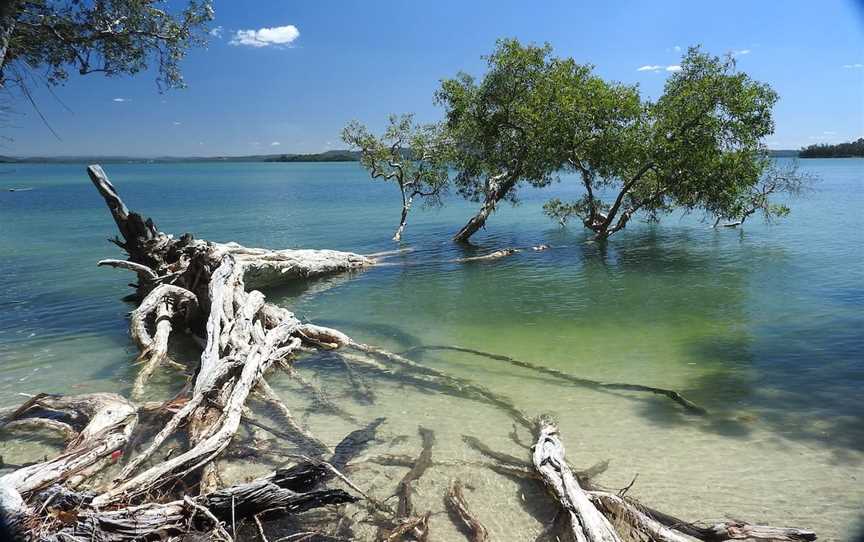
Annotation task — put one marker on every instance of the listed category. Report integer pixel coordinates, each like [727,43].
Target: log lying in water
[593,513]
[586,522]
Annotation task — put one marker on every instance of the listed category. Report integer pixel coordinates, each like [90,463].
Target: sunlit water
[763,326]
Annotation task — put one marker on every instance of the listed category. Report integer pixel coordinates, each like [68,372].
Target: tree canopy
[699,146]
[412,155]
[499,128]
[113,37]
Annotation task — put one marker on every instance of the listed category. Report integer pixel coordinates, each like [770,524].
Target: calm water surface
[763,326]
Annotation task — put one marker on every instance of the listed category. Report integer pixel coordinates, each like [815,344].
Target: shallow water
[762,326]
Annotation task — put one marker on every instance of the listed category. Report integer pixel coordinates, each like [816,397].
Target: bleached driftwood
[587,524]
[106,421]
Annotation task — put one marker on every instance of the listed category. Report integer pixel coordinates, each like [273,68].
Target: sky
[285,77]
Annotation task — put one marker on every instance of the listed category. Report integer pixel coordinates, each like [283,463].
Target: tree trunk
[8,15]
[499,186]
[406,206]
[587,524]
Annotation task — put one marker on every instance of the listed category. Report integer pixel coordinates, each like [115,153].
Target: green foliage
[113,37]
[777,179]
[697,147]
[841,150]
[500,127]
[410,154]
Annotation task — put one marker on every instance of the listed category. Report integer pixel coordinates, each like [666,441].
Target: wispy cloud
[741,52]
[677,48]
[829,133]
[177,123]
[856,66]
[659,68]
[275,144]
[265,37]
[217,32]
[121,100]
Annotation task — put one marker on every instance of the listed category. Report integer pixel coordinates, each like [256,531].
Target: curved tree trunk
[498,188]
[403,220]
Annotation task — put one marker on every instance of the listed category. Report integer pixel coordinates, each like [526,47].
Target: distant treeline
[329,156]
[841,150]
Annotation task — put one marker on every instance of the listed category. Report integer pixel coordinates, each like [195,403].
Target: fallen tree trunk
[593,513]
[587,524]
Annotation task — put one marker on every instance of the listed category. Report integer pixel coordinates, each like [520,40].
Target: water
[762,326]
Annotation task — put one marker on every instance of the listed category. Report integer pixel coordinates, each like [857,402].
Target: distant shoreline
[329,156]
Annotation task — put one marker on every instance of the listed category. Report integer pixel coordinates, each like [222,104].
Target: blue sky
[318,64]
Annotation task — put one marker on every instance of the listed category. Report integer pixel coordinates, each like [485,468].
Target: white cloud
[677,48]
[121,100]
[275,144]
[857,66]
[177,123]
[264,37]
[741,52]
[658,68]
[217,32]
[827,132]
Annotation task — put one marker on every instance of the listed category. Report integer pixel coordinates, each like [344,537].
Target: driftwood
[592,513]
[587,524]
[187,285]
[464,519]
[501,253]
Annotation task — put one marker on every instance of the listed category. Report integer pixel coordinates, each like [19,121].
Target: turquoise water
[763,326]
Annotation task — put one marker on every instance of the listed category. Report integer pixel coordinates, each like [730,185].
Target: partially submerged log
[587,524]
[592,513]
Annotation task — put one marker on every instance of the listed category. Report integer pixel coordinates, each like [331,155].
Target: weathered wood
[108,422]
[587,524]
[301,435]
[405,489]
[160,306]
[143,271]
[461,514]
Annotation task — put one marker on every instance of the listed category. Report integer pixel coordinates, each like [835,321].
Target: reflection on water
[762,326]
